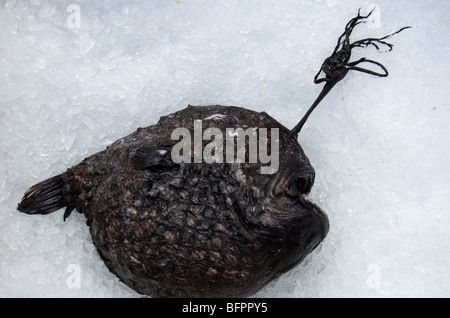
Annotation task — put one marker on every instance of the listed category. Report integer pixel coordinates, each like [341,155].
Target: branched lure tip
[338,64]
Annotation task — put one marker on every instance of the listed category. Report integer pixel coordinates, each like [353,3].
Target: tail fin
[45,197]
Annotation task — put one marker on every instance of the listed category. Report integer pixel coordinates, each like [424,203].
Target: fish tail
[46,197]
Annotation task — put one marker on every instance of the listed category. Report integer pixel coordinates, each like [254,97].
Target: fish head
[280,209]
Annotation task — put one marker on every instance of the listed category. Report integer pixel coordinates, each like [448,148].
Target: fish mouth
[290,214]
[320,217]
[293,184]
[289,191]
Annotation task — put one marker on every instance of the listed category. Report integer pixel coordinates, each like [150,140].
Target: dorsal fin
[336,66]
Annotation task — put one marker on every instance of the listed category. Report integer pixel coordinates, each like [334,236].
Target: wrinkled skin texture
[196,230]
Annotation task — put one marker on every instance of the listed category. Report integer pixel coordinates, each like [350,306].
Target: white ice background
[380,146]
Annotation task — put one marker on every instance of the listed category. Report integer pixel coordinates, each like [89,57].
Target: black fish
[183,228]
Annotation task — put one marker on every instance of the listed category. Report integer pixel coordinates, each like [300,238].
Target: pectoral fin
[155,158]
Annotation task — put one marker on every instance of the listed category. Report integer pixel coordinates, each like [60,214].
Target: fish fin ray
[44,197]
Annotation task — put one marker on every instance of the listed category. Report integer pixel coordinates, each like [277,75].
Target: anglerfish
[208,202]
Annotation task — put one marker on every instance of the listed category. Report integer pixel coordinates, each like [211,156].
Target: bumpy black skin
[196,230]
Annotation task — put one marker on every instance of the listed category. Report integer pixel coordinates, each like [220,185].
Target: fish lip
[320,216]
[301,184]
[292,185]
[298,205]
